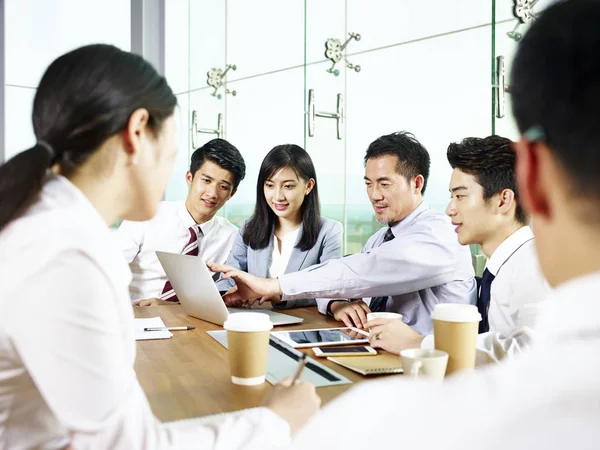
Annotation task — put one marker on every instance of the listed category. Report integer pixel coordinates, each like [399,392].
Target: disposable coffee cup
[424,363]
[455,329]
[248,345]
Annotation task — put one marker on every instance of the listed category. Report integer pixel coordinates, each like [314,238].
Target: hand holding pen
[294,400]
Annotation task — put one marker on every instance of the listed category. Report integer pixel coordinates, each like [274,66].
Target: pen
[301,365]
[169,328]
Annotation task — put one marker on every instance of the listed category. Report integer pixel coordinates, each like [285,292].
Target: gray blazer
[257,262]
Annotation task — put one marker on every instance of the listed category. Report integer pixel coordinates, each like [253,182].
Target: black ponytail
[85,97]
[21,180]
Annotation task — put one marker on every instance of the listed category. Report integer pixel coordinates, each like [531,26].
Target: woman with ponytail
[103,120]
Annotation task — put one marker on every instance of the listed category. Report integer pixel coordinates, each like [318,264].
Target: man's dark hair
[223,154]
[491,161]
[413,158]
[555,86]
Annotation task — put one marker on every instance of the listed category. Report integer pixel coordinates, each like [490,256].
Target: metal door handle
[500,88]
[338,115]
[219,131]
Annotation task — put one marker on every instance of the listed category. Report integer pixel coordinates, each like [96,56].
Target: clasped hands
[391,335]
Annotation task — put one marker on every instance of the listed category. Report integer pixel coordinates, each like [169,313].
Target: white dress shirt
[547,399]
[280,259]
[67,345]
[168,231]
[423,265]
[515,296]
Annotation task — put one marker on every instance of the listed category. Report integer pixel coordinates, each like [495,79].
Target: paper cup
[455,329]
[248,345]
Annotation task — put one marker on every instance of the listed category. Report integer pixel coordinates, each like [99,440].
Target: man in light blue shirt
[406,267]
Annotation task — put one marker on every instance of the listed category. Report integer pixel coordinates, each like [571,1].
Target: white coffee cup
[424,362]
[383,315]
[248,345]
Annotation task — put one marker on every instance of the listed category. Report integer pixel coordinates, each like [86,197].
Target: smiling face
[285,192]
[474,218]
[209,188]
[393,196]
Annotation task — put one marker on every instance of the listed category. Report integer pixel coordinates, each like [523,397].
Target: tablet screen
[321,336]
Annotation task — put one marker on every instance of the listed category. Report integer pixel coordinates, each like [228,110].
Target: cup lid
[455,312]
[248,321]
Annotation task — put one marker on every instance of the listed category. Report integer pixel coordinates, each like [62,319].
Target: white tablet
[322,337]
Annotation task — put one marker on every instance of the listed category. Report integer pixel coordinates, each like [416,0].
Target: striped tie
[191,248]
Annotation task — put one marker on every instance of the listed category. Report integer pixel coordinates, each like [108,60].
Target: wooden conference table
[188,375]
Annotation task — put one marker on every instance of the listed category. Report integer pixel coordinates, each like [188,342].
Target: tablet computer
[322,337]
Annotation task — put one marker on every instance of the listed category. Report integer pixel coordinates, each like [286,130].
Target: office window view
[328,78]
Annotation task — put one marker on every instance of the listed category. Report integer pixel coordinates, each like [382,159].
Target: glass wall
[392,65]
[37,32]
[512,19]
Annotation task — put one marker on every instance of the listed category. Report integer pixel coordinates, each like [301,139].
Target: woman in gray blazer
[286,233]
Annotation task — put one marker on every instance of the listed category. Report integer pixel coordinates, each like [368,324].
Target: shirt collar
[59,192]
[510,245]
[397,227]
[188,221]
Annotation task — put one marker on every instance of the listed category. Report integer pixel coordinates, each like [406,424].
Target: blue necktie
[483,302]
[378,303]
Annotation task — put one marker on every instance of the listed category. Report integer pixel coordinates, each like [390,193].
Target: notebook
[380,364]
[151,322]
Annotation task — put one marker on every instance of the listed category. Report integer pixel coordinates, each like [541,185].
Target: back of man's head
[222,153]
[491,161]
[555,86]
[413,158]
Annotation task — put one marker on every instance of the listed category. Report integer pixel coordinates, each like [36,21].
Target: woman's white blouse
[67,347]
[280,259]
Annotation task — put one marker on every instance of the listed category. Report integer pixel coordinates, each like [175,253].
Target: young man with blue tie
[189,227]
[407,267]
[485,209]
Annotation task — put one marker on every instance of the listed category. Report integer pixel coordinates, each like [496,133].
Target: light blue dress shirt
[423,265]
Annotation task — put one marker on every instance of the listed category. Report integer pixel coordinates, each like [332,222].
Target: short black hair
[491,161]
[413,158]
[555,86]
[222,153]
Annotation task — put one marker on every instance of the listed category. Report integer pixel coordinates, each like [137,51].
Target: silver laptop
[198,293]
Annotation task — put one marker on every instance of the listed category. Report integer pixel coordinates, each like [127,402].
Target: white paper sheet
[141,335]
[212,420]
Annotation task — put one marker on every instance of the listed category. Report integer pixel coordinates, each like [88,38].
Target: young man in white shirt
[485,209]
[189,226]
[549,398]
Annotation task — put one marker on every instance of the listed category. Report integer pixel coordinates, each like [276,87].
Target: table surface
[188,375]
